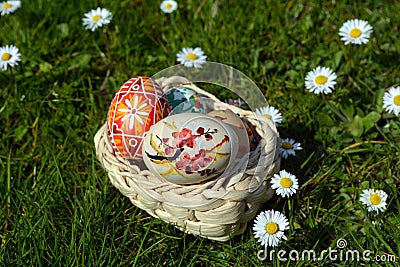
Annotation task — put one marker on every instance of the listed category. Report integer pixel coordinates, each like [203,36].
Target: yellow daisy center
[271,228]
[396,100]
[6,56]
[7,5]
[375,199]
[286,182]
[355,33]
[168,6]
[267,116]
[321,79]
[191,56]
[287,145]
[96,18]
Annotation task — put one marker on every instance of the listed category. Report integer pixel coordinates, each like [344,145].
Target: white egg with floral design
[234,121]
[189,148]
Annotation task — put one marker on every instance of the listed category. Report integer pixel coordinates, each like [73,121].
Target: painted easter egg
[229,117]
[136,106]
[183,99]
[189,148]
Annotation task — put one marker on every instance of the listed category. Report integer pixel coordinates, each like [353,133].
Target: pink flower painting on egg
[189,148]
[184,152]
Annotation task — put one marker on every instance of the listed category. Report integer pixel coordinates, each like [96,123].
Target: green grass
[59,208]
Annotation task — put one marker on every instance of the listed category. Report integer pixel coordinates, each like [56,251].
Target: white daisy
[285,183]
[9,56]
[270,113]
[190,57]
[374,199]
[355,31]
[168,6]
[96,18]
[269,227]
[320,80]
[9,7]
[391,100]
[288,147]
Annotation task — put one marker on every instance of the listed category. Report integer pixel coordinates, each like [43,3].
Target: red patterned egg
[137,105]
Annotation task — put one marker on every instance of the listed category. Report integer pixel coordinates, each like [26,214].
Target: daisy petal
[391,101]
[190,57]
[269,227]
[355,31]
[9,56]
[375,200]
[320,80]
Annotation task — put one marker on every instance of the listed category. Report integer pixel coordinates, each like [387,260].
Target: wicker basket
[217,209]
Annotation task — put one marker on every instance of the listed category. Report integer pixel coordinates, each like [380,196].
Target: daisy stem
[350,58]
[12,75]
[104,56]
[9,180]
[290,206]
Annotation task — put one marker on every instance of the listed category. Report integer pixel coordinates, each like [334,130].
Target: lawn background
[60,208]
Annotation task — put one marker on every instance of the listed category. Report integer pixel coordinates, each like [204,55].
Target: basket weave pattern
[217,209]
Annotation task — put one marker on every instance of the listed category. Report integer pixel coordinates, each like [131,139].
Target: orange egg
[137,105]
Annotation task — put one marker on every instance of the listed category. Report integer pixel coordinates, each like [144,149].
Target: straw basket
[217,209]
